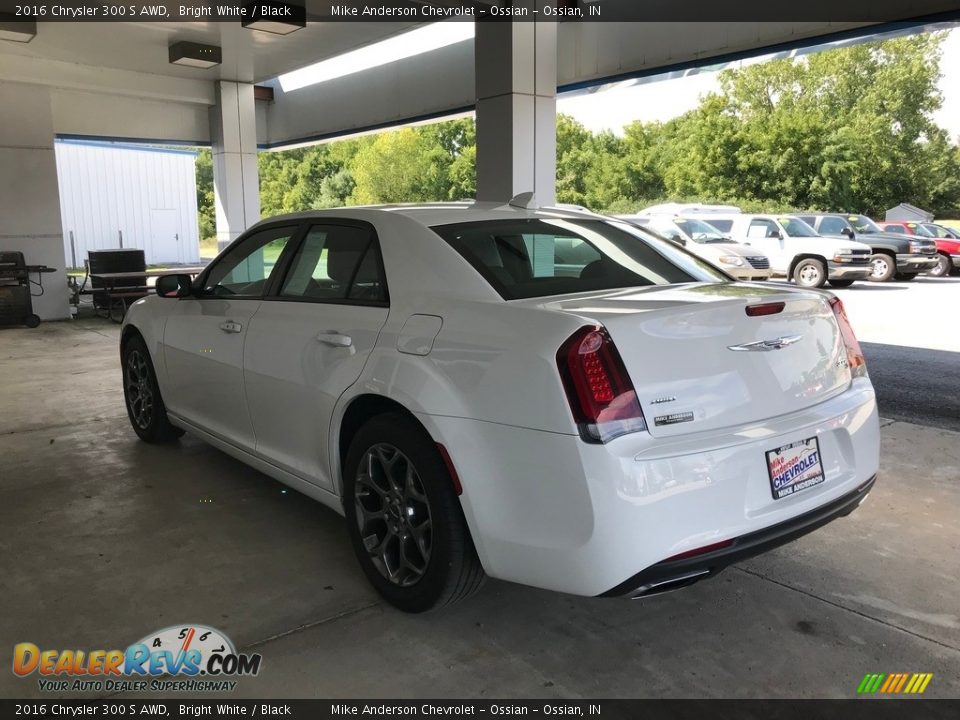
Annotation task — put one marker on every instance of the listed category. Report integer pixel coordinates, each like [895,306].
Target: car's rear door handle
[336,339]
[231,327]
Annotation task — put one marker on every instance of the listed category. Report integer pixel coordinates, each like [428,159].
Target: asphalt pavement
[916,385]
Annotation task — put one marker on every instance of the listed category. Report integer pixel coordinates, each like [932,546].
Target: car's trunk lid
[699,362]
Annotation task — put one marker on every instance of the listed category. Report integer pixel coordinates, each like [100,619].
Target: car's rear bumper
[549,510]
[673,574]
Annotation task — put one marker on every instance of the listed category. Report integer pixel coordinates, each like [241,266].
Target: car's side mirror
[849,233]
[678,240]
[174,286]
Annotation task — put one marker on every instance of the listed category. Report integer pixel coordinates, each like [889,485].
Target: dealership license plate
[794,467]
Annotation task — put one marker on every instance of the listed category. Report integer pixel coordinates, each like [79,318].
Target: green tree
[398,166]
[206,213]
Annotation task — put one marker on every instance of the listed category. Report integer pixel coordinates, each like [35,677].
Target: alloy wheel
[809,275]
[139,389]
[880,267]
[393,513]
[941,268]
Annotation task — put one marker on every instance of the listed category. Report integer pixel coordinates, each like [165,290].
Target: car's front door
[205,334]
[309,342]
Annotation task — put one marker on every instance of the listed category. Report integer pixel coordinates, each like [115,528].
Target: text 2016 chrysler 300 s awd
[540,395]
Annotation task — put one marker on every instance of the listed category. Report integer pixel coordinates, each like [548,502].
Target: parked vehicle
[442,377]
[796,250]
[705,241]
[948,249]
[942,231]
[893,255]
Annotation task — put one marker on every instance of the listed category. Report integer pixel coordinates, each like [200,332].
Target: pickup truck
[948,248]
[796,250]
[894,255]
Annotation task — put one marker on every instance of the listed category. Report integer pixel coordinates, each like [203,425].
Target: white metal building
[121,195]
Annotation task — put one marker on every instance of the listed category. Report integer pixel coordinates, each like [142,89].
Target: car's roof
[441,213]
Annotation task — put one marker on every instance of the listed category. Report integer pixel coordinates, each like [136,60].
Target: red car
[948,248]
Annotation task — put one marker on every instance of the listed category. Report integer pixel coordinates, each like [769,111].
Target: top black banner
[422,11]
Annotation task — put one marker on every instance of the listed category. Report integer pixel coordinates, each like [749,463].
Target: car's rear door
[764,234]
[205,335]
[309,342]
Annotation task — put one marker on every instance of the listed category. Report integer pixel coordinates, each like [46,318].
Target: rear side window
[542,257]
[833,226]
[760,228]
[336,263]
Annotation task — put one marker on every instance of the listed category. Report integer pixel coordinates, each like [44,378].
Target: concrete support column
[516,75]
[236,182]
[29,191]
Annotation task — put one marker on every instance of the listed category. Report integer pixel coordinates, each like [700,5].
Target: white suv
[796,250]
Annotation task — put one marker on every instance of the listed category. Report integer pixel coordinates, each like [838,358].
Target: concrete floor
[104,538]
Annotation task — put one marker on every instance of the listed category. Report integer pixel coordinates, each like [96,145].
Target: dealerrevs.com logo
[179,658]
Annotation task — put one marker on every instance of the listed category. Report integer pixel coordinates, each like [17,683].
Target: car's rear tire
[882,267]
[943,267]
[404,519]
[841,283]
[141,394]
[810,273]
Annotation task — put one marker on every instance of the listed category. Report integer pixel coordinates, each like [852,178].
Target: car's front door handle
[336,339]
[231,327]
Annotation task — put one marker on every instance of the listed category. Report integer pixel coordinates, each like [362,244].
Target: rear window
[543,257]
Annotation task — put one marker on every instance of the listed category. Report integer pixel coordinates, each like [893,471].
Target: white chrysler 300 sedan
[543,396]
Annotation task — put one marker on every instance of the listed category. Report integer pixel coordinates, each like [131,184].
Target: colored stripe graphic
[894,683]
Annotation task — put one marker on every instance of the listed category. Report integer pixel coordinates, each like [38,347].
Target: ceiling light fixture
[423,39]
[195,55]
[275,17]
[17,30]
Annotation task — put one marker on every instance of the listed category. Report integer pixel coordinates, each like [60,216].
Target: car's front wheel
[810,273]
[943,267]
[882,267]
[404,518]
[145,408]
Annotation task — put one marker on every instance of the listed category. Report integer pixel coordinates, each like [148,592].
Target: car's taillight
[600,393]
[855,360]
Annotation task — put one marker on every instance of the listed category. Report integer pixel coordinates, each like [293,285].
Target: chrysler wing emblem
[766,345]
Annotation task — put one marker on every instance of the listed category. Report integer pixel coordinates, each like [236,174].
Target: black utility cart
[16,289]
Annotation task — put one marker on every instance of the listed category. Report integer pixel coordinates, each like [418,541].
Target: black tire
[841,283]
[449,571]
[883,267]
[810,273]
[141,395]
[943,268]
[32,321]
[906,277]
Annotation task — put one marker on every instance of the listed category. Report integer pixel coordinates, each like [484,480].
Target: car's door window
[760,228]
[833,226]
[336,263]
[244,270]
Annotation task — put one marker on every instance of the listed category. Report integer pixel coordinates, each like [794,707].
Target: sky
[665,99]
